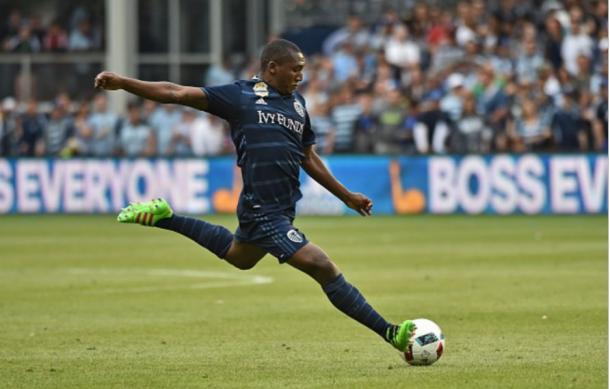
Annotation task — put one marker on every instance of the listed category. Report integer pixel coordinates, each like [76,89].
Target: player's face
[288,74]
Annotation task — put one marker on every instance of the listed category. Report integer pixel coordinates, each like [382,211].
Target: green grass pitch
[88,303]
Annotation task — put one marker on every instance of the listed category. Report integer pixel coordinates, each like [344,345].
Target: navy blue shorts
[273,233]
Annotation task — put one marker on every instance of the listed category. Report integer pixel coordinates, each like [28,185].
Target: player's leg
[215,238]
[347,298]
[244,256]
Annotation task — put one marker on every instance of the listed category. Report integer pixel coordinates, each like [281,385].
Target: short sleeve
[224,101]
[309,137]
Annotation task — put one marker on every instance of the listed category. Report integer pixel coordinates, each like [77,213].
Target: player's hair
[277,51]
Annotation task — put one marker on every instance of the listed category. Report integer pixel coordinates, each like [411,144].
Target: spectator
[58,130]
[103,124]
[136,137]
[32,130]
[83,37]
[10,127]
[316,92]
[550,84]
[587,108]
[529,62]
[344,114]
[447,54]
[452,103]
[554,36]
[344,62]
[431,130]
[385,82]
[384,29]
[208,136]
[502,60]
[466,25]
[400,50]
[321,123]
[12,26]
[180,143]
[470,134]
[576,42]
[366,125]
[354,32]
[24,42]
[582,77]
[492,103]
[38,29]
[82,142]
[163,120]
[219,73]
[530,132]
[390,134]
[569,133]
[56,38]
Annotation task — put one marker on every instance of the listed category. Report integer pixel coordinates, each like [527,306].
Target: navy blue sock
[215,238]
[350,301]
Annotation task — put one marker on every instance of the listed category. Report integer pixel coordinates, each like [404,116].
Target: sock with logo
[215,238]
[348,299]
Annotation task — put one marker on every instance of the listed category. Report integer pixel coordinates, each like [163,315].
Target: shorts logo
[294,236]
[299,108]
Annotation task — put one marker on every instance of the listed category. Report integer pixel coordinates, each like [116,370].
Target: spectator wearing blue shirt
[492,104]
[163,120]
[103,124]
[58,130]
[136,137]
[219,74]
[344,115]
[529,62]
[344,62]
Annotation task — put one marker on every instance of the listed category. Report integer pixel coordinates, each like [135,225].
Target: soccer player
[272,135]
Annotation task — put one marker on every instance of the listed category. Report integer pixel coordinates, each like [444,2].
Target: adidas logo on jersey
[261,101]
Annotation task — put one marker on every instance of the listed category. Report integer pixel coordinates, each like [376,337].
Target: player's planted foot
[147,213]
[400,335]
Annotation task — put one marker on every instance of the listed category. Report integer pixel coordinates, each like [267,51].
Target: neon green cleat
[400,336]
[147,213]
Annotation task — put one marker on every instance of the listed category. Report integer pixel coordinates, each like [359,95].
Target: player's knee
[244,266]
[243,263]
[322,264]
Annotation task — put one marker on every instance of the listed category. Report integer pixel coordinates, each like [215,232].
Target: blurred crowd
[505,76]
[91,129]
[28,33]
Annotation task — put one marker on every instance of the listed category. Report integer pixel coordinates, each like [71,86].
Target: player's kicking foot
[147,213]
[400,335]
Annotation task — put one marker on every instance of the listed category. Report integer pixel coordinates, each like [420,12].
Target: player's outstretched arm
[316,169]
[162,92]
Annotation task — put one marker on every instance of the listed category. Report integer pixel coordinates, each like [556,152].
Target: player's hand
[108,81]
[360,203]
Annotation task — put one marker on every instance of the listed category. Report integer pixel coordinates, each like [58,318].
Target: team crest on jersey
[260,89]
[299,108]
[294,236]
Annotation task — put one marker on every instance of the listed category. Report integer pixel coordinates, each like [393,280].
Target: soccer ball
[427,344]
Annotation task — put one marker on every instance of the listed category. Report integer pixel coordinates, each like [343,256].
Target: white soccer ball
[427,344]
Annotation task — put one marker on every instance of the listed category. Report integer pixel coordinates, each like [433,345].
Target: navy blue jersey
[269,131]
